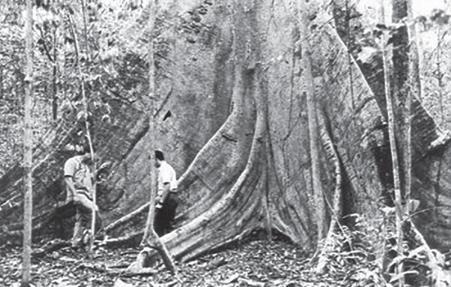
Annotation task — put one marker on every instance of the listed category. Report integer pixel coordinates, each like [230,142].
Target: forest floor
[254,262]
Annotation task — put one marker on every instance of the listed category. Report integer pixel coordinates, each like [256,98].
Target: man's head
[85,152]
[159,157]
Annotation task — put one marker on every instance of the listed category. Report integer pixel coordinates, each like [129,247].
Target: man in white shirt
[166,201]
[79,178]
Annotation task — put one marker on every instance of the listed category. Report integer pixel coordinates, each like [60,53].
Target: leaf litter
[255,262]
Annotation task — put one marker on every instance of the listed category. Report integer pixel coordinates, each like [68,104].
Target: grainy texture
[238,132]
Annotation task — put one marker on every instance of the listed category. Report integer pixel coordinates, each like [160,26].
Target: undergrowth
[366,255]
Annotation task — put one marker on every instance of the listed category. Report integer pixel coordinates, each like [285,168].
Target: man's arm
[70,188]
[163,193]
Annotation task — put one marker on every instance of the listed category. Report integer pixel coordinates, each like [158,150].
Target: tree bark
[393,147]
[337,206]
[309,93]
[55,76]
[414,91]
[28,148]
[438,73]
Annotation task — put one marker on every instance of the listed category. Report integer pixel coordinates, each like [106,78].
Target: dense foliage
[111,58]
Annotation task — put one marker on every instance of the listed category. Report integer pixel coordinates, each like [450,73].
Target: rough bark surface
[424,132]
[238,134]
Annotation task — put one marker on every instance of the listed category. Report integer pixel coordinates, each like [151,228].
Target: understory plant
[364,253]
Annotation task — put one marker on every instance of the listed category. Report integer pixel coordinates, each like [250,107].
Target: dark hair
[159,155]
[84,148]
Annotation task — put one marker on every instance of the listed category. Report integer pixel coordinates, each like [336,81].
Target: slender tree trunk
[391,130]
[439,74]
[414,90]
[1,82]
[400,75]
[55,75]
[151,107]
[28,149]
[85,31]
[420,49]
[348,45]
[308,92]
[150,236]
[87,127]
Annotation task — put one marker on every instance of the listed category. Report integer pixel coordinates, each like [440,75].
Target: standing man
[79,179]
[166,201]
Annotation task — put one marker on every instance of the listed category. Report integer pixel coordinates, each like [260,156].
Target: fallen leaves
[247,264]
[120,283]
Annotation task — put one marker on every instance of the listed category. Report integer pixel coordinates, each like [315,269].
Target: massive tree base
[239,133]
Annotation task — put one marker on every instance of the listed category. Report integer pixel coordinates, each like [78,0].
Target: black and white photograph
[228,143]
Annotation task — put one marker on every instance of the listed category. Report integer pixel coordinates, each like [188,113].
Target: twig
[52,246]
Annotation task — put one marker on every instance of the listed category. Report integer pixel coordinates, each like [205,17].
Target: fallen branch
[143,208]
[128,240]
[50,247]
[95,268]
[141,272]
[121,272]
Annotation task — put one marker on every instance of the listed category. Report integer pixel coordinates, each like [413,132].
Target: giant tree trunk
[309,94]
[239,132]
